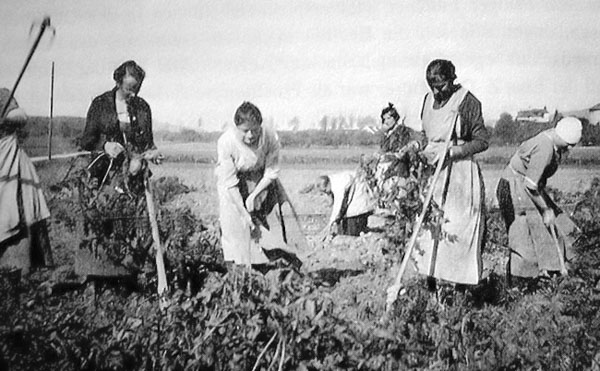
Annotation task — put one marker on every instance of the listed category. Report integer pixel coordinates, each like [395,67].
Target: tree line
[331,131]
[508,131]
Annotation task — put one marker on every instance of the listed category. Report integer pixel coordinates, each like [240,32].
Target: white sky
[304,58]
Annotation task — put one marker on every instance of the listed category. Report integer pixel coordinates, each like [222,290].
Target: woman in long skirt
[454,254]
[531,216]
[250,194]
[24,241]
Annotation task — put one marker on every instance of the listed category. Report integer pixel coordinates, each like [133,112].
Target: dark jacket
[102,124]
[398,137]
[473,132]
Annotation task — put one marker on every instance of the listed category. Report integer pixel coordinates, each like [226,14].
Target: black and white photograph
[300,185]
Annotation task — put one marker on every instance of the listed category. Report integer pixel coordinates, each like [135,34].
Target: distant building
[594,114]
[540,115]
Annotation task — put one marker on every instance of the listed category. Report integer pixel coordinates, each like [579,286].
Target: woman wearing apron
[249,190]
[530,215]
[454,254]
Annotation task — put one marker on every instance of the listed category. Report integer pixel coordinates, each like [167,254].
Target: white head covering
[569,129]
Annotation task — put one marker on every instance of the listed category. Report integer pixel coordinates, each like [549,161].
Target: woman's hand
[549,217]
[136,164]
[113,149]
[153,155]
[255,200]
[327,232]
[247,221]
[456,153]
[250,202]
[324,234]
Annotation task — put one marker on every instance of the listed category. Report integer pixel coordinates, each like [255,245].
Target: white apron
[244,167]
[459,192]
[22,201]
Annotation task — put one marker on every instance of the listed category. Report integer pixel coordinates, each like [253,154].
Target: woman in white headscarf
[529,213]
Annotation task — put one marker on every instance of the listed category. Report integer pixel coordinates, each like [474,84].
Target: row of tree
[332,131]
[509,131]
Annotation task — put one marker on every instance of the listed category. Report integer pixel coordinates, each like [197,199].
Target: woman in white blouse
[249,190]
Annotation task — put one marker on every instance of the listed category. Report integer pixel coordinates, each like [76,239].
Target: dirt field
[295,177]
[314,209]
[327,313]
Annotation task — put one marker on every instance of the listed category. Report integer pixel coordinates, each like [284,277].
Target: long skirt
[276,231]
[355,225]
[23,207]
[532,247]
[454,252]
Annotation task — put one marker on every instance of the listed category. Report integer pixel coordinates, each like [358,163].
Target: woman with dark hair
[118,133]
[249,191]
[454,254]
[398,147]
[394,134]
[119,118]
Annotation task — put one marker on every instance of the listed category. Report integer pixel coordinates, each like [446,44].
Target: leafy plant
[237,318]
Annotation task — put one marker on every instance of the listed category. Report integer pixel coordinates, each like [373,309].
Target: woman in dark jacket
[118,133]
[119,119]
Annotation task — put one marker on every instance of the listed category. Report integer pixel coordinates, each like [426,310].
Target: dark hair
[391,110]
[247,112]
[322,183]
[131,68]
[441,67]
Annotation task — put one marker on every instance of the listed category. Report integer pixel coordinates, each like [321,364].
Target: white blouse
[234,156]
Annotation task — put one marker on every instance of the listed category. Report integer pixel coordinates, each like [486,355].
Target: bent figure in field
[531,216]
[251,196]
[24,241]
[455,253]
[353,203]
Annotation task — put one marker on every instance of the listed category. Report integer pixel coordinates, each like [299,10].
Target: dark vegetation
[220,317]
[508,131]
[66,131]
